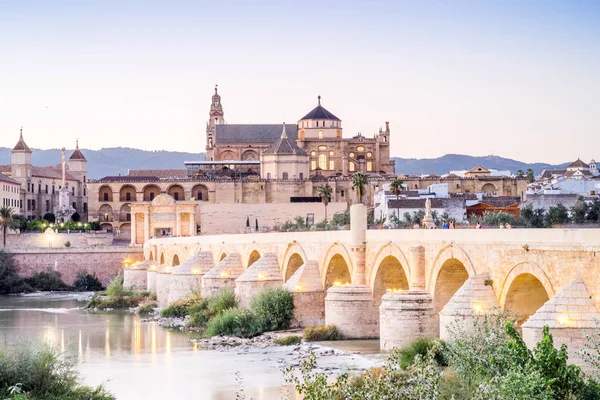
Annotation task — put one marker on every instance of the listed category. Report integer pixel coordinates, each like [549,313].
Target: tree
[6,221]
[529,175]
[593,214]
[396,189]
[579,210]
[557,214]
[50,217]
[76,217]
[359,182]
[325,194]
[520,173]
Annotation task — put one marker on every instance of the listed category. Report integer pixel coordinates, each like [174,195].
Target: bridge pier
[151,278]
[136,276]
[309,296]
[187,277]
[222,276]
[475,297]
[261,275]
[163,282]
[350,308]
[570,314]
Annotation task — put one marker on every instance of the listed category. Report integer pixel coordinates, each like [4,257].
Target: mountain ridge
[111,161]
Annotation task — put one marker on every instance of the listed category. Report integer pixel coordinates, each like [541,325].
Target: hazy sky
[519,79]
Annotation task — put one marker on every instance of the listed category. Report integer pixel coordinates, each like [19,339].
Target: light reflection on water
[135,359]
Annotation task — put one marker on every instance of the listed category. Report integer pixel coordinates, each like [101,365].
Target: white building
[577,178]
[10,193]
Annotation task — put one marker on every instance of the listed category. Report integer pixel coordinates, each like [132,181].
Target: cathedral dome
[320,113]
[285,146]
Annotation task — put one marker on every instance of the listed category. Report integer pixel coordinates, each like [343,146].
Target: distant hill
[118,160]
[113,160]
[444,164]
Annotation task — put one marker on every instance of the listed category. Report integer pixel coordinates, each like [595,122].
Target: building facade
[40,186]
[10,193]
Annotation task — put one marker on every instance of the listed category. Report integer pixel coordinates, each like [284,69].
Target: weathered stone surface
[136,276]
[309,296]
[569,315]
[264,273]
[473,299]
[187,277]
[222,275]
[405,316]
[350,308]
[163,283]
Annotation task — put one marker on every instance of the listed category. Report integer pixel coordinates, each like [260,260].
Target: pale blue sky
[519,79]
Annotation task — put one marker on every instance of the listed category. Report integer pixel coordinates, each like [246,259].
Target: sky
[518,79]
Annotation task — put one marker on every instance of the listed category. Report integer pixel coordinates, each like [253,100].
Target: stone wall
[106,262]
[231,218]
[29,240]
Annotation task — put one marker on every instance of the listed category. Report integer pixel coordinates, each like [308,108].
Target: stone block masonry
[106,262]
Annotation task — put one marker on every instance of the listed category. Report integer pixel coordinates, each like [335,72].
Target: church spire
[284,133]
[21,145]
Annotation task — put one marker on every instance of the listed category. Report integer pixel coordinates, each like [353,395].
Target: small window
[268,175]
[106,196]
[284,176]
[369,166]
[313,164]
[323,161]
[176,196]
[341,193]
[151,196]
[127,196]
[360,148]
[352,155]
[369,154]
[323,148]
[320,134]
[331,164]
[331,153]
[352,167]
[313,153]
[301,176]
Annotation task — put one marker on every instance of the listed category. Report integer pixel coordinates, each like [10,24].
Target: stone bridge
[396,284]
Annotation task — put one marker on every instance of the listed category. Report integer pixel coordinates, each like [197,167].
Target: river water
[140,360]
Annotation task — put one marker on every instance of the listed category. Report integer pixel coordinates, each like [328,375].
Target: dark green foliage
[76,217]
[20,222]
[406,355]
[10,281]
[556,215]
[116,297]
[95,226]
[579,211]
[235,322]
[43,373]
[85,282]
[47,281]
[288,341]
[274,308]
[180,308]
[202,311]
[531,218]
[321,333]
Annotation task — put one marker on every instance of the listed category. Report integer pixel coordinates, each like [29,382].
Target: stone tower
[215,118]
[21,161]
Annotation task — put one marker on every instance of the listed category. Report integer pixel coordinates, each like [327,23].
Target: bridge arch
[337,266]
[390,271]
[175,261]
[253,257]
[524,290]
[451,251]
[293,258]
[162,258]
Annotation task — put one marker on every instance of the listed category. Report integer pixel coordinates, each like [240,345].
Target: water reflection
[137,359]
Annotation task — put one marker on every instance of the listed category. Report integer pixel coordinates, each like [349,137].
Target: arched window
[285,176]
[352,167]
[320,134]
[313,164]
[302,134]
[322,161]
[369,166]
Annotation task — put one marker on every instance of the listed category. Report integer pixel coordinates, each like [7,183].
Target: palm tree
[325,193]
[396,189]
[359,181]
[6,221]
[529,175]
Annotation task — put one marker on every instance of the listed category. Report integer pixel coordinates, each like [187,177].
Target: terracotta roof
[21,145]
[50,172]
[127,178]
[5,168]
[500,201]
[249,133]
[578,164]
[464,196]
[319,112]
[420,203]
[548,173]
[285,146]
[159,173]
[4,178]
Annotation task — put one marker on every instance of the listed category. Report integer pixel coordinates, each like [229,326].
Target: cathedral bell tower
[215,118]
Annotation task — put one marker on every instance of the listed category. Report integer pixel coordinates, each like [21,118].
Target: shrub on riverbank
[43,373]
[10,281]
[116,297]
[486,361]
[321,333]
[87,282]
[421,346]
[288,341]
[47,281]
[147,307]
[180,308]
[274,308]
[239,322]
[203,311]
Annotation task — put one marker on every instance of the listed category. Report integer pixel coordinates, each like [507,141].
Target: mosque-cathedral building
[270,172]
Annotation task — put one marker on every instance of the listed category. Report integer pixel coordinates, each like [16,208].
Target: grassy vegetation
[203,311]
[37,371]
[407,354]
[274,308]
[239,322]
[116,297]
[180,308]
[321,333]
[147,307]
[288,341]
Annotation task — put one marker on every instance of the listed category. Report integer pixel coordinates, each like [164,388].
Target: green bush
[47,281]
[147,308]
[115,287]
[234,322]
[201,312]
[321,333]
[43,373]
[288,341]
[85,282]
[274,308]
[180,308]
[10,281]
[406,355]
